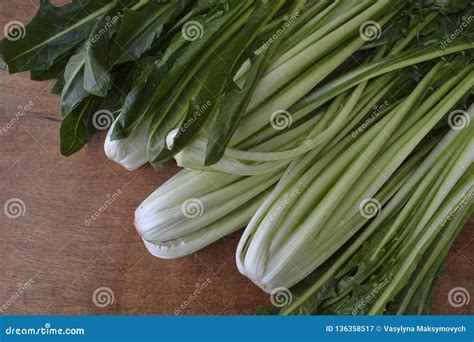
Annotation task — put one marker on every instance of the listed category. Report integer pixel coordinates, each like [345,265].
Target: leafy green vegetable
[141,25]
[217,79]
[53,32]
[92,113]
[292,116]
[77,126]
[73,91]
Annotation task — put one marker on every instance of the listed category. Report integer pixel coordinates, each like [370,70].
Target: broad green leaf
[55,71]
[73,91]
[224,65]
[144,90]
[77,126]
[80,124]
[233,106]
[96,68]
[150,94]
[178,109]
[88,71]
[196,52]
[51,33]
[138,100]
[141,27]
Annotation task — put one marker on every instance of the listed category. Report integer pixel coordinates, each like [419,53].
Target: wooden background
[67,260]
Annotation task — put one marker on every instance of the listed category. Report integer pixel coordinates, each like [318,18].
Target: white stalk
[131,151]
[194,208]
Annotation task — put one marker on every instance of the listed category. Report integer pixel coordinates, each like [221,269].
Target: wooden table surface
[65,260]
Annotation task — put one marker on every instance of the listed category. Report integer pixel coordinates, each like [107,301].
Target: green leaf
[55,71]
[73,91]
[223,69]
[96,67]
[150,91]
[232,109]
[162,81]
[141,27]
[137,102]
[77,127]
[88,71]
[59,85]
[236,99]
[51,33]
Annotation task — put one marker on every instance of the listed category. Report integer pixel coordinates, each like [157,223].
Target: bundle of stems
[313,226]
[392,265]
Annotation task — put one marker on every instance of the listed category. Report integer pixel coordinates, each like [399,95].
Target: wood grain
[68,260]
